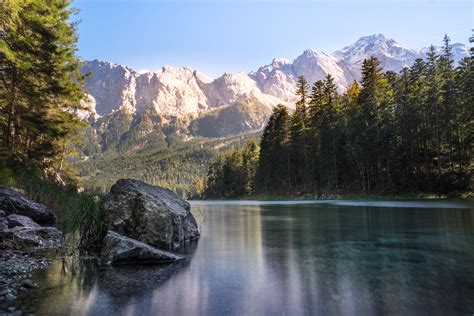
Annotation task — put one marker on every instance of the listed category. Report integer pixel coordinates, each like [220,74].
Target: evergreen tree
[40,83]
[250,154]
[392,133]
[299,161]
[273,172]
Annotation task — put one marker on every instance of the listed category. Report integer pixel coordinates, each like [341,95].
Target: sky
[217,36]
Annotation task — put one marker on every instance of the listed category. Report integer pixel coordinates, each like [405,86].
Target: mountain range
[150,111]
[177,92]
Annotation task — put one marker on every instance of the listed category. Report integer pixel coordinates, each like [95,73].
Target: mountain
[138,118]
[392,56]
[230,104]
[243,115]
[279,78]
[170,91]
[175,92]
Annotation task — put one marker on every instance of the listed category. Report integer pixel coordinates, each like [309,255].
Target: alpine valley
[165,126]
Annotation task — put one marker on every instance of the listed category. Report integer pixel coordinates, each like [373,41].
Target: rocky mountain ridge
[232,103]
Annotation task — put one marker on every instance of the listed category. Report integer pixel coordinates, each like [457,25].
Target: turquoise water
[289,258]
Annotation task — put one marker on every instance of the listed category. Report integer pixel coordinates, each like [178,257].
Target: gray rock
[151,214]
[3,223]
[4,291]
[44,237]
[13,202]
[15,220]
[118,249]
[28,284]
[10,297]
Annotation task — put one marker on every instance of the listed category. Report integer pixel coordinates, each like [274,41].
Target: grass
[78,213]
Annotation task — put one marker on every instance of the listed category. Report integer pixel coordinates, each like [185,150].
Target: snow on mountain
[170,91]
[458,50]
[184,91]
[279,78]
[315,65]
[232,86]
[392,56]
[276,79]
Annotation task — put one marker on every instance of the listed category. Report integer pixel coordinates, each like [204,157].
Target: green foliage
[78,213]
[40,93]
[391,134]
[176,165]
[40,83]
[273,172]
[6,177]
[233,173]
[230,119]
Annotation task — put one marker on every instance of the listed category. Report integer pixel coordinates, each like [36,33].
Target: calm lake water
[289,258]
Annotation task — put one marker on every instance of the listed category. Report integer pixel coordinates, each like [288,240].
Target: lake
[288,258]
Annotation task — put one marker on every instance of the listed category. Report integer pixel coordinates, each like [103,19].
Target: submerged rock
[151,214]
[13,202]
[118,249]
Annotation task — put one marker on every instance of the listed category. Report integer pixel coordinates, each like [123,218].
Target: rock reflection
[288,260]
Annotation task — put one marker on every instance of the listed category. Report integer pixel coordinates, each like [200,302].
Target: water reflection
[260,259]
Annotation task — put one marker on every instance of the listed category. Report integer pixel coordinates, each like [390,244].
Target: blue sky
[229,35]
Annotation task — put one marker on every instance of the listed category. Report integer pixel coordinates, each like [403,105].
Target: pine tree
[273,172]
[390,134]
[41,84]
[299,161]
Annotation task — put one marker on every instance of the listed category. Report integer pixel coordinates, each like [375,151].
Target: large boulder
[13,202]
[153,215]
[118,249]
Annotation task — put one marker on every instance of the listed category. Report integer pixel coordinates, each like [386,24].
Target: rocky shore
[24,244]
[140,219]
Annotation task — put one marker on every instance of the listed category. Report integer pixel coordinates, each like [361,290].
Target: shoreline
[16,270]
[335,196]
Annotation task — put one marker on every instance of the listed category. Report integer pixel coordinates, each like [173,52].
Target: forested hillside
[175,166]
[390,133]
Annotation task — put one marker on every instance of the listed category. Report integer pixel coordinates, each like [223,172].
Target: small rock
[28,284]
[15,220]
[10,297]
[3,223]
[4,291]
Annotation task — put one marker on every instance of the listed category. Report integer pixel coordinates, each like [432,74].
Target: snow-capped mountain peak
[175,91]
[392,55]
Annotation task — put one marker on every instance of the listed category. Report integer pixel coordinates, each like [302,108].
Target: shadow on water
[288,259]
[81,286]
